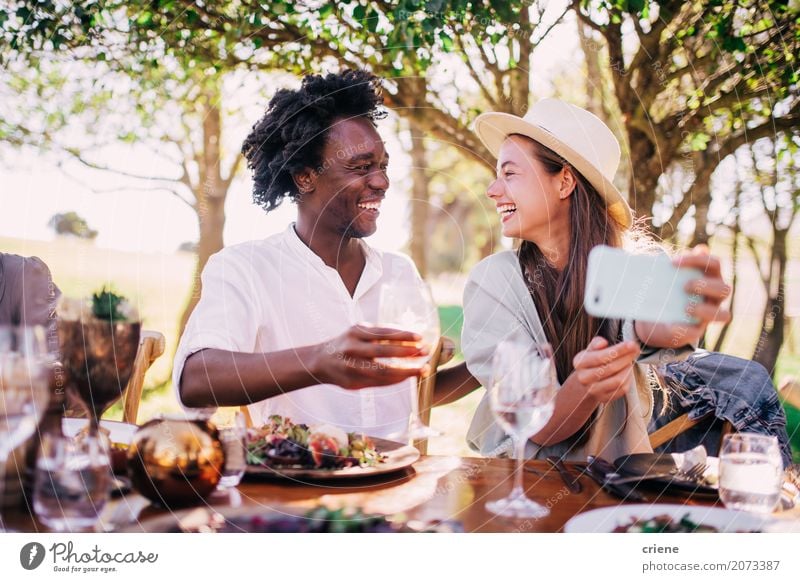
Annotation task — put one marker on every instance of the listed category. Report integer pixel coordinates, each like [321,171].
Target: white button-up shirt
[275,294]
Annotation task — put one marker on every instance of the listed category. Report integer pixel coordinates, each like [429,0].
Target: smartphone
[621,285]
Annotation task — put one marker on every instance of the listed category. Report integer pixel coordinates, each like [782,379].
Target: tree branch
[751,244]
[127,189]
[476,76]
[77,155]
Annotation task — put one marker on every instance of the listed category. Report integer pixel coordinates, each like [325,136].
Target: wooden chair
[151,346]
[680,425]
[789,391]
[443,353]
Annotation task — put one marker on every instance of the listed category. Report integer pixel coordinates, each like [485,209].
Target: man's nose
[379,180]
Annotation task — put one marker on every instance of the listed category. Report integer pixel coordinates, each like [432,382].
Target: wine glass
[98,356]
[750,472]
[522,397]
[410,307]
[24,389]
[73,481]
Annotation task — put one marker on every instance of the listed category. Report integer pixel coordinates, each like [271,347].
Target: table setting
[195,472]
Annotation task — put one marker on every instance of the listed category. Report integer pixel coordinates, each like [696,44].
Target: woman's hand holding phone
[711,289]
[707,293]
[605,371]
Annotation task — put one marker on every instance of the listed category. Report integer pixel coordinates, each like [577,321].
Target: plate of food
[263,519]
[284,449]
[666,518]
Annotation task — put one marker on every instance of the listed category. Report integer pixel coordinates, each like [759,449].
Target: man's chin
[354,231]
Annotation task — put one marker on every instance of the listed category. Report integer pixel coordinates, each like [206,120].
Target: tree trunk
[594,76]
[701,197]
[642,192]
[212,225]
[210,193]
[737,229]
[420,199]
[770,339]
[519,78]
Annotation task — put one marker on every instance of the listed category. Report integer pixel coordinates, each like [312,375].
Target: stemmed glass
[98,356]
[522,397]
[24,389]
[410,307]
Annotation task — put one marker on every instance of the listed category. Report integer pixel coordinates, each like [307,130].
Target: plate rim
[576,523]
[124,426]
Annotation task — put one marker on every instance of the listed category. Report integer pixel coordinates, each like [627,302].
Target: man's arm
[453,384]
[214,377]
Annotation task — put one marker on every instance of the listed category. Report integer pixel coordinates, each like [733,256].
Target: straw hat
[575,134]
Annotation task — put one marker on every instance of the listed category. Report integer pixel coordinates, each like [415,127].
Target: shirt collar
[373,269]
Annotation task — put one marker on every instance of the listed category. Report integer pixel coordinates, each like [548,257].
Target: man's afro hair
[291,135]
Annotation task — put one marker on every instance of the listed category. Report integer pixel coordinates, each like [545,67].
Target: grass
[160,284]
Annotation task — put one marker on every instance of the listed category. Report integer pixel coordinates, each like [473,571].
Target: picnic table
[435,488]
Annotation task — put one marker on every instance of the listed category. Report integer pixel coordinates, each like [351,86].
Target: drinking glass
[73,481]
[410,307]
[750,472]
[98,357]
[522,397]
[234,445]
[24,389]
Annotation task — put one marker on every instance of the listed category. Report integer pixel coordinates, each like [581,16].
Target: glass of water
[522,397]
[73,481]
[750,472]
[410,307]
[233,439]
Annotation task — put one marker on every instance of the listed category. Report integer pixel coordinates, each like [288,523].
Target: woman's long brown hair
[558,295]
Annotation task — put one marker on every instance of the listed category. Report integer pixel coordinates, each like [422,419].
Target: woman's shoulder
[497,267]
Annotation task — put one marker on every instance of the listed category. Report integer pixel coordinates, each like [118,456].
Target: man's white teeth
[506,208]
[370,205]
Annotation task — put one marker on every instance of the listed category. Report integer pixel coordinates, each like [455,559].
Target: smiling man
[280,323]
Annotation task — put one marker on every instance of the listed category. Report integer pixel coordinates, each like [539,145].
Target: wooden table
[437,488]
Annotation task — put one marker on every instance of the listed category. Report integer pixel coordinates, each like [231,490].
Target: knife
[572,482]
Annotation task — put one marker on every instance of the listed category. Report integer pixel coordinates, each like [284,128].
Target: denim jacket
[733,389]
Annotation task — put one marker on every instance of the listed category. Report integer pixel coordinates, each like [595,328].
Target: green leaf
[145,19]
[447,42]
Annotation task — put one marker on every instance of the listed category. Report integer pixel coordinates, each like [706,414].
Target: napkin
[688,459]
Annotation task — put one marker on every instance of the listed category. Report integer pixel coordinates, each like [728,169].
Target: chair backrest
[442,354]
[151,346]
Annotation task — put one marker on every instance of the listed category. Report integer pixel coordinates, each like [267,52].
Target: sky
[33,188]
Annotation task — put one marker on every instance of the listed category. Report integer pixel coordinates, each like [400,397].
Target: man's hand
[605,371]
[348,360]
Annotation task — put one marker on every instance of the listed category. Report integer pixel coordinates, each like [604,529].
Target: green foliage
[71,224]
[106,305]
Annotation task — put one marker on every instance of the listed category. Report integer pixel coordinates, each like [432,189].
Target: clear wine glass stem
[3,461]
[519,445]
[94,424]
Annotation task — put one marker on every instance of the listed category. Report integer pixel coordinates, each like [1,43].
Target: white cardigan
[497,304]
